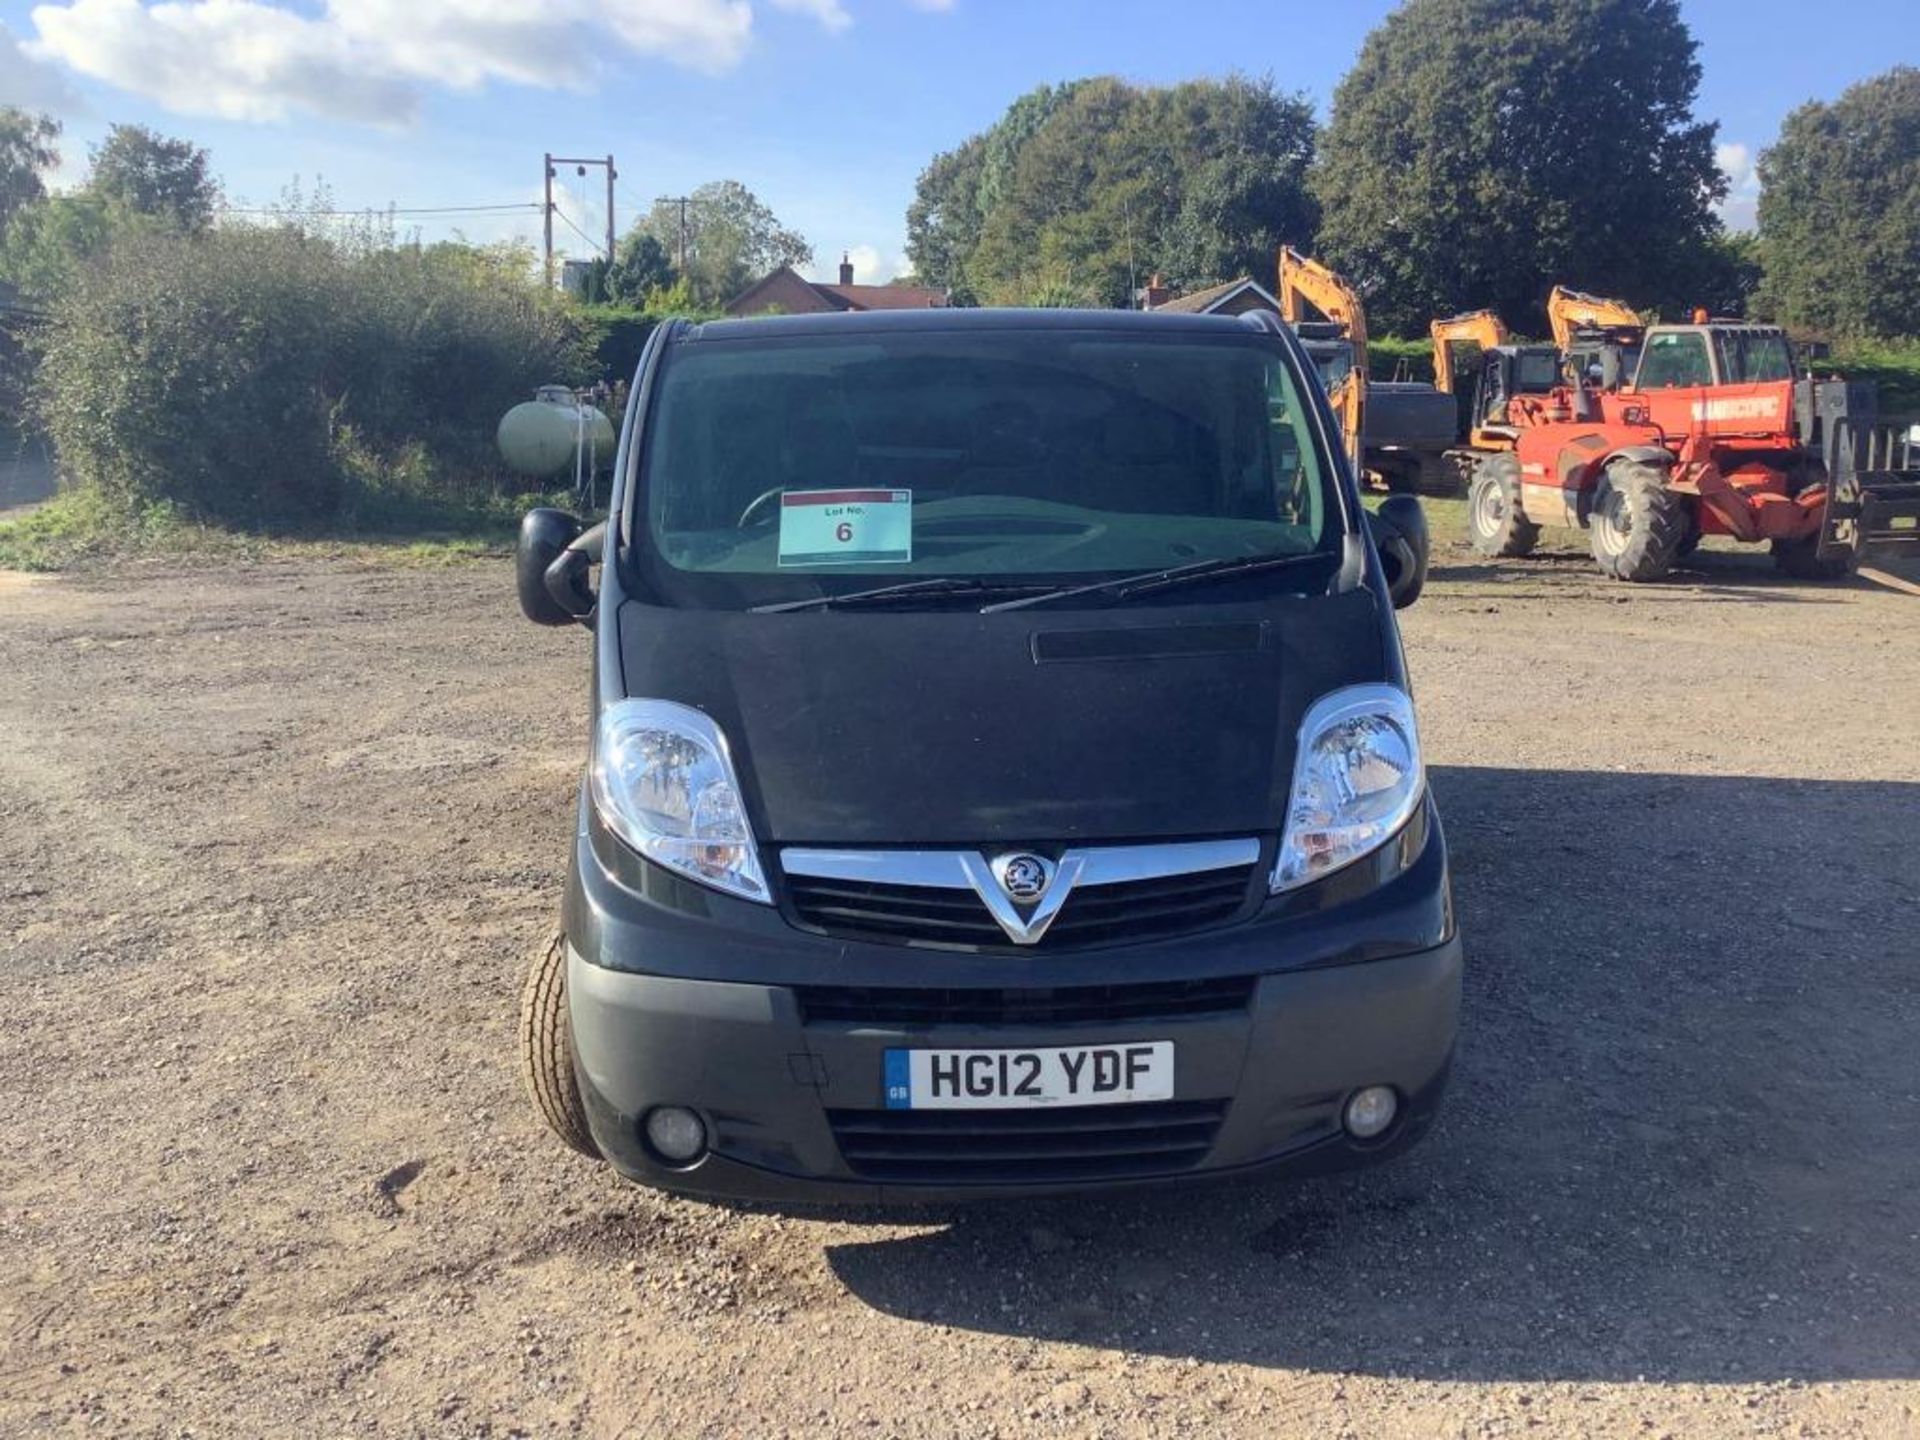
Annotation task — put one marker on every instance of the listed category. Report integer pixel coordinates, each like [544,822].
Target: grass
[1446,519]
[81,530]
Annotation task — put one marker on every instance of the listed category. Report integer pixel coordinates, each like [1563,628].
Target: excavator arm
[1307,283]
[1476,327]
[1571,310]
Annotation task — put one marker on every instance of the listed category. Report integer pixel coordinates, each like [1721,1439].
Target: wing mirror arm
[566,578]
[1399,529]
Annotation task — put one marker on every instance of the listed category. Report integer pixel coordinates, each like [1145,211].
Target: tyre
[1495,522]
[1801,559]
[1637,523]
[546,1048]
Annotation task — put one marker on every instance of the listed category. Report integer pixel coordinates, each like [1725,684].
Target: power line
[576,229]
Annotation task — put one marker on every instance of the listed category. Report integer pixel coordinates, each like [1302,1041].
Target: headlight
[663,783]
[1357,778]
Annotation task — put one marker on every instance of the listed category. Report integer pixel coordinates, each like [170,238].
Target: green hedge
[260,375]
[1892,365]
[613,336]
[1391,358]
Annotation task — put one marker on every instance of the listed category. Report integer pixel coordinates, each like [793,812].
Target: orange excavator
[1570,312]
[1504,371]
[1600,338]
[1337,342]
[1395,432]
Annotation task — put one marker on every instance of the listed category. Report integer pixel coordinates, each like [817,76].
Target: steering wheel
[759,502]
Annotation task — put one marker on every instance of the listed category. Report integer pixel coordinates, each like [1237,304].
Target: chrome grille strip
[948,869]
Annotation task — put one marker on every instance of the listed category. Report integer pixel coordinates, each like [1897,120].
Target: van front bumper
[772,1088]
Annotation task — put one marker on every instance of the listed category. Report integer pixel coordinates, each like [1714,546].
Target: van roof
[869,322]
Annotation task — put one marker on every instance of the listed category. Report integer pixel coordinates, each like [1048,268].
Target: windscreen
[1535,372]
[819,464]
[1751,356]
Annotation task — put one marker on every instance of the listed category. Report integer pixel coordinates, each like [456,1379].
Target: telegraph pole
[580,168]
[681,201]
[546,214]
[611,176]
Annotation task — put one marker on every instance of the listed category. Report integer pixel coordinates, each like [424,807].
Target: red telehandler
[1714,435]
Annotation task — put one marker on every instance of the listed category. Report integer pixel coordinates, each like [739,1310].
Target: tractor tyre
[1637,523]
[1801,559]
[1495,522]
[546,1048]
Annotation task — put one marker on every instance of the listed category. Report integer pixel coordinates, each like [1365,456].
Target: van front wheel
[546,1048]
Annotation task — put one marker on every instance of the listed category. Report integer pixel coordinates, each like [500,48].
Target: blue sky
[827,109]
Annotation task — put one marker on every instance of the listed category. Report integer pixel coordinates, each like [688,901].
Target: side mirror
[550,565]
[1399,530]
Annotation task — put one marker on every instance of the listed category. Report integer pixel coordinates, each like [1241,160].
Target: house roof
[847,297]
[1205,302]
[884,297]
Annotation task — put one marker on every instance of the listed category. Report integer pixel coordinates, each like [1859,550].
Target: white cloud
[371,60]
[1736,162]
[870,265]
[231,58]
[31,85]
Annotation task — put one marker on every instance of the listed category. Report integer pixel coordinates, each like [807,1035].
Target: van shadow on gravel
[1683,1139]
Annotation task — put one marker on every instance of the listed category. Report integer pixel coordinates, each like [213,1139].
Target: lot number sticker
[846,527]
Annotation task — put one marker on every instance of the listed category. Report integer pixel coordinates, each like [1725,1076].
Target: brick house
[786,292]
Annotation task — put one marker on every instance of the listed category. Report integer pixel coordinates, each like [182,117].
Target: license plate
[1017,1079]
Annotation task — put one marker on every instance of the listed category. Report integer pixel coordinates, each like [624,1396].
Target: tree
[1840,211]
[731,239]
[1244,195]
[1089,187]
[27,152]
[48,243]
[152,175]
[1481,151]
[640,270]
[943,221]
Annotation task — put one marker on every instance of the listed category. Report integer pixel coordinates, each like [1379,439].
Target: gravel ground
[275,842]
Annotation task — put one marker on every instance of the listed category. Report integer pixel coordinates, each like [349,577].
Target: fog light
[1371,1111]
[677,1135]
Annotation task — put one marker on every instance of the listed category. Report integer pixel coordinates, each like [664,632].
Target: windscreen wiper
[1124,587]
[906,590]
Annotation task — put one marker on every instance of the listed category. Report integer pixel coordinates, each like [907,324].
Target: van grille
[1027,1147]
[950,1005]
[1093,914]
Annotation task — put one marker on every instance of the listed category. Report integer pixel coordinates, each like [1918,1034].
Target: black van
[1003,776]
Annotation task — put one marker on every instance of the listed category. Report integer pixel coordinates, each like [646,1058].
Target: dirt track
[273,845]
